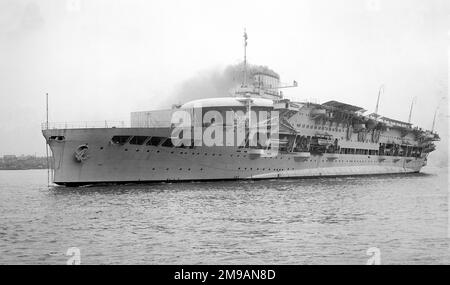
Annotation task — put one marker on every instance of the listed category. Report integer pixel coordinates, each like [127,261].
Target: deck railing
[85,125]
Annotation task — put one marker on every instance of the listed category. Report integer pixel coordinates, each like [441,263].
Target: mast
[410,110]
[434,119]
[46,107]
[244,83]
[378,100]
[46,142]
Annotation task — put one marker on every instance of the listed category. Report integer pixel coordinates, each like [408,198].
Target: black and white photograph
[225,133]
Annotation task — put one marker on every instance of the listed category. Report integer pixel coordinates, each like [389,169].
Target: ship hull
[106,162]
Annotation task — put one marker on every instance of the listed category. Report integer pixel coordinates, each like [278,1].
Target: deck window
[168,143]
[138,140]
[57,138]
[155,141]
[120,139]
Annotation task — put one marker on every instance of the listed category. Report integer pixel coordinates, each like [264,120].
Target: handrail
[85,125]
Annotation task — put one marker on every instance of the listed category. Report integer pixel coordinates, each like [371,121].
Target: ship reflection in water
[307,221]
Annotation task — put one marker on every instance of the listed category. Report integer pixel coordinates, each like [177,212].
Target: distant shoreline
[22,168]
[12,162]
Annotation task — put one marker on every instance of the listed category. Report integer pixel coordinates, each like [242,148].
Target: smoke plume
[215,83]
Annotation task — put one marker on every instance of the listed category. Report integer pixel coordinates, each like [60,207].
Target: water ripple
[311,221]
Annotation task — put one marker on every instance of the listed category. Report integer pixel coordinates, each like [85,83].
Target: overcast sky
[102,59]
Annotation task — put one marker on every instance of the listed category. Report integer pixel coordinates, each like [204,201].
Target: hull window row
[168,143]
[358,151]
[155,141]
[138,140]
[57,138]
[141,140]
[120,139]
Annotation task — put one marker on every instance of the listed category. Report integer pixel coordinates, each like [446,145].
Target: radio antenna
[410,110]
[434,119]
[244,83]
[46,142]
[380,91]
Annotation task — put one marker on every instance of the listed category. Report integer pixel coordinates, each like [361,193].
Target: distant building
[25,157]
[9,158]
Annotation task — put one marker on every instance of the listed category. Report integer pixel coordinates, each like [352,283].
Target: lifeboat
[256,153]
[302,156]
[332,156]
[319,112]
[381,158]
[371,124]
[359,127]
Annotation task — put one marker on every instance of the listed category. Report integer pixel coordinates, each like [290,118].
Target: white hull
[110,163]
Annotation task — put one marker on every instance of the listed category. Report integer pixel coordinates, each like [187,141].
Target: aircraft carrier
[254,133]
